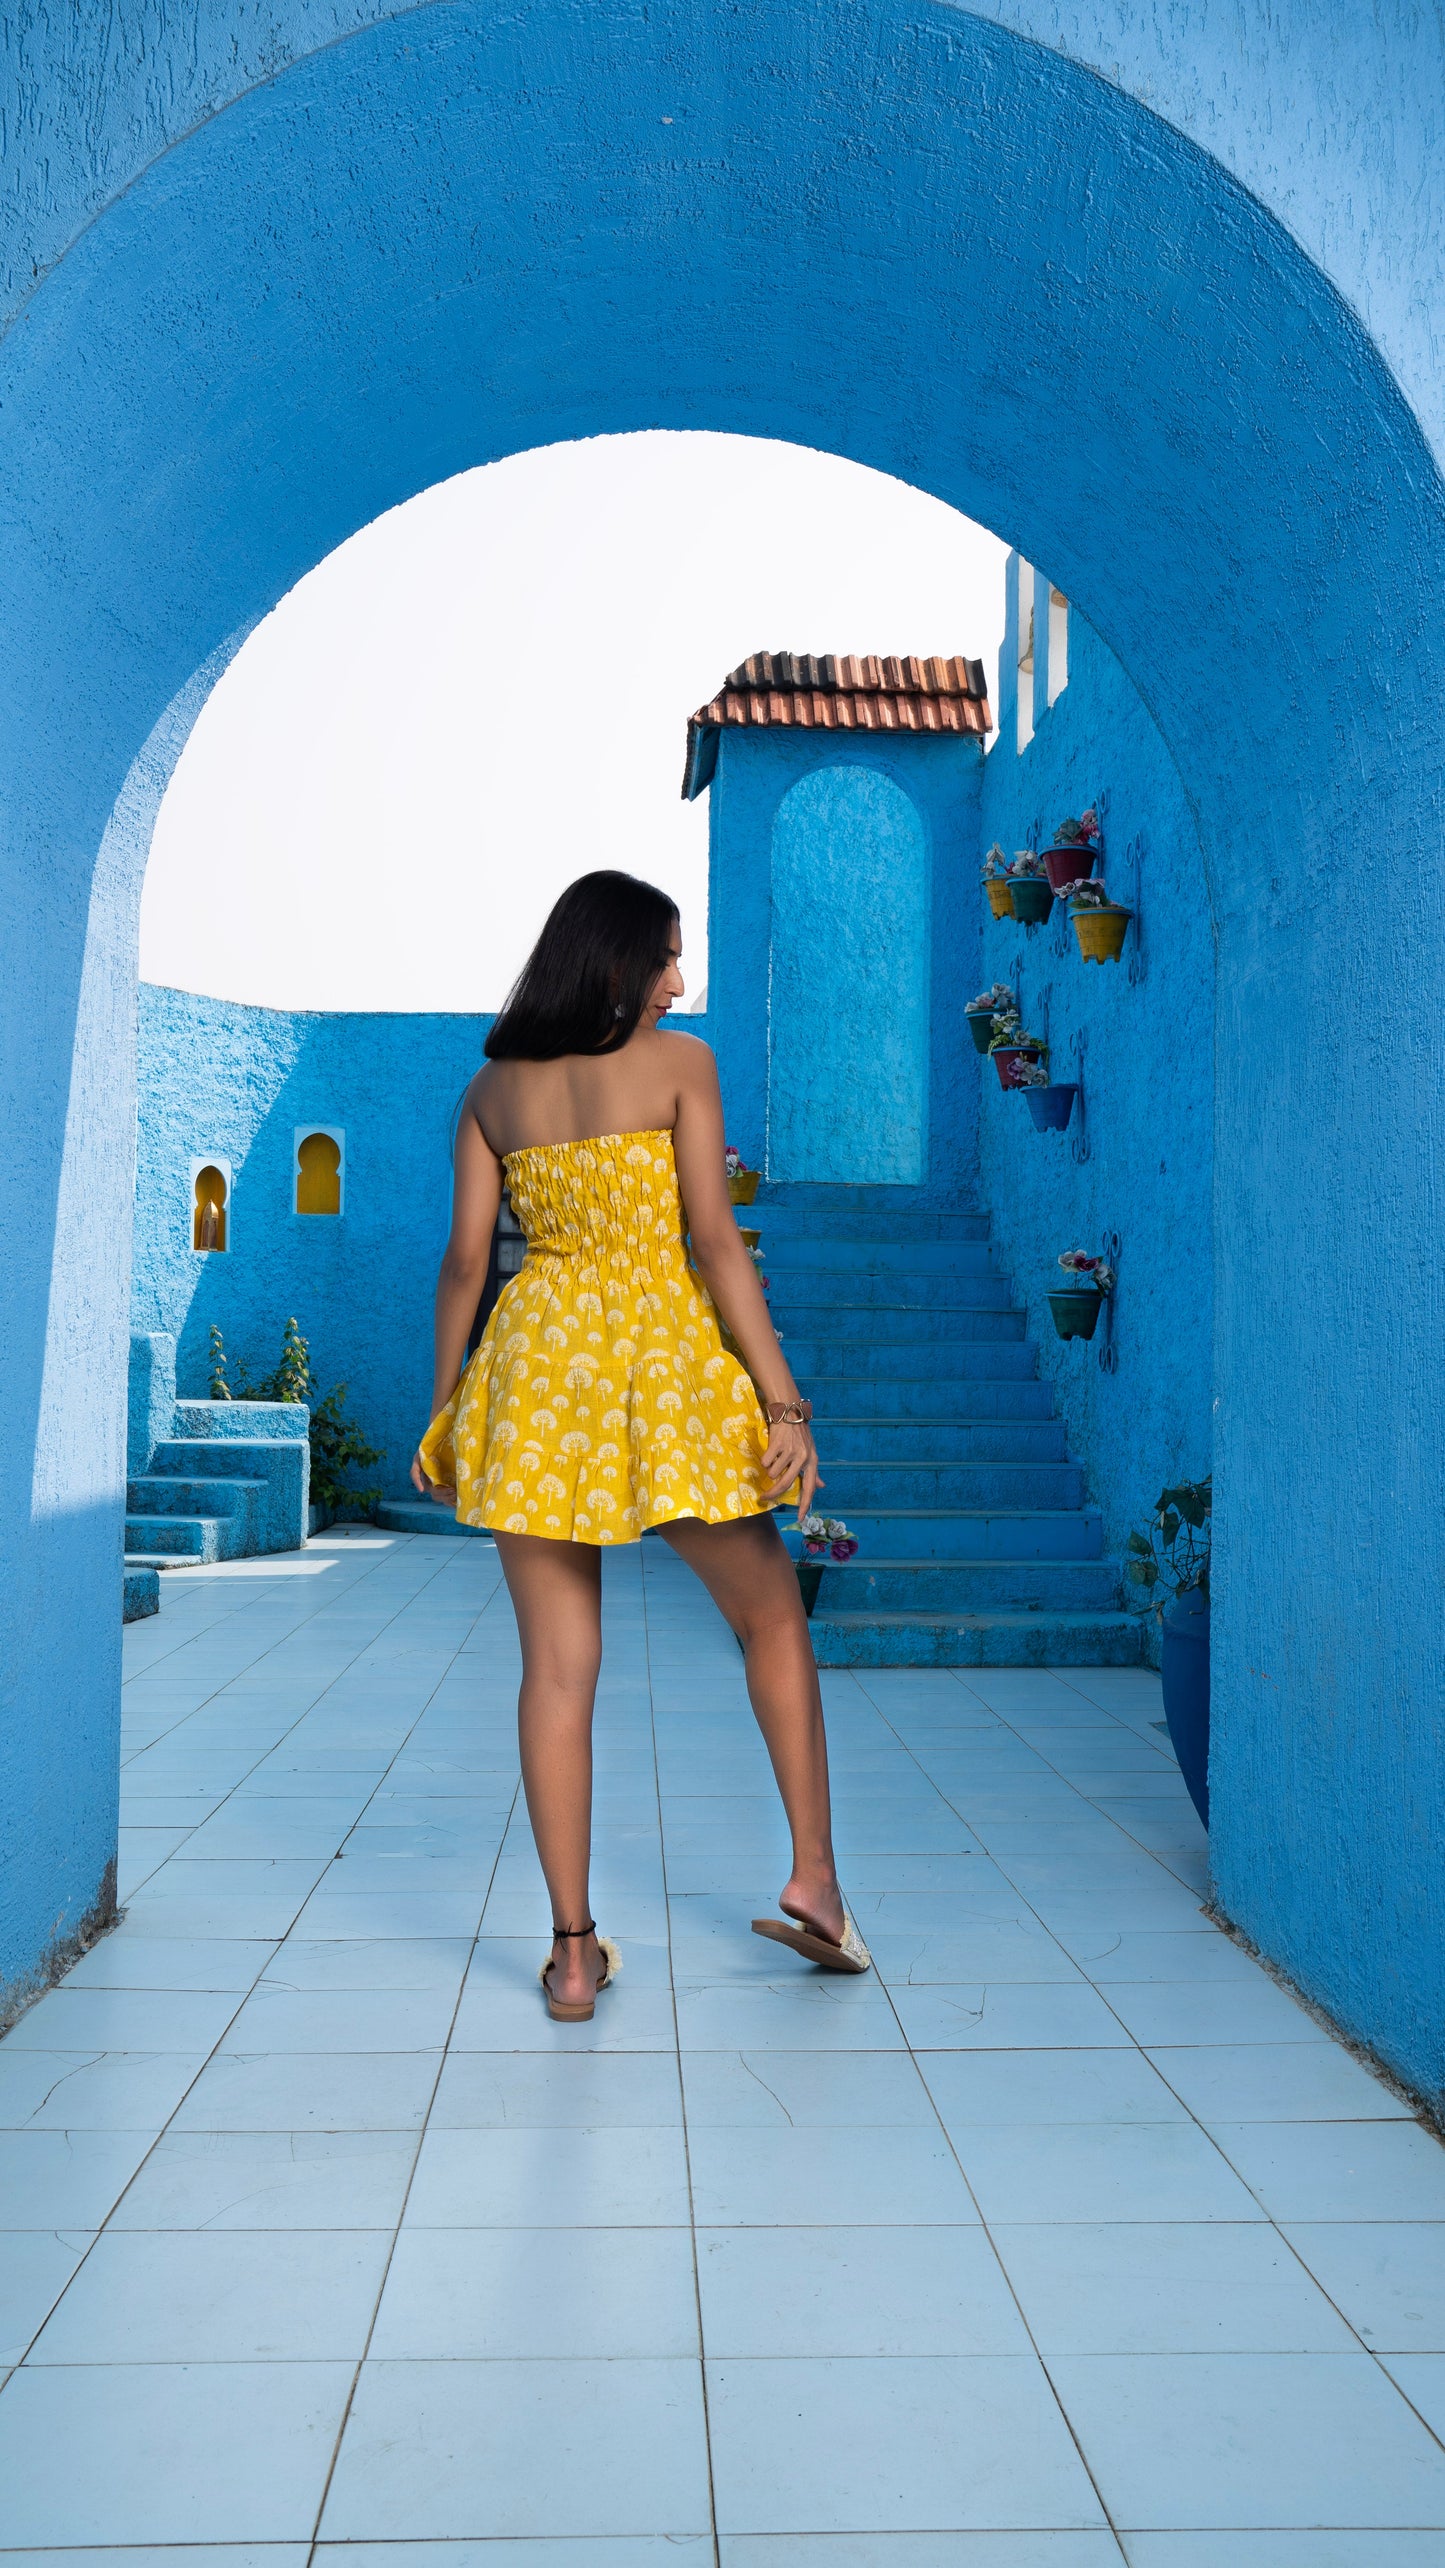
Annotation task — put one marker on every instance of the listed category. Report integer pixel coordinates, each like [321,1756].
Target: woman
[602,1400]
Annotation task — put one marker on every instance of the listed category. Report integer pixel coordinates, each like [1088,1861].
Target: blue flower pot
[1052,1107]
[1184,1669]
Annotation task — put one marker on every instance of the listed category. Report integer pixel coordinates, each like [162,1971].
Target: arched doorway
[926,243]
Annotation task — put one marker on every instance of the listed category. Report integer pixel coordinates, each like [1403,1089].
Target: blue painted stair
[208,1479]
[940,1443]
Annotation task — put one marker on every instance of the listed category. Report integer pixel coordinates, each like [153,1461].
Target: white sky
[485,693]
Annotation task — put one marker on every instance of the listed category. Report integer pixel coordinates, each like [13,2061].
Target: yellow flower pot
[1101,932]
[1000,895]
[749,1238]
[744,1186]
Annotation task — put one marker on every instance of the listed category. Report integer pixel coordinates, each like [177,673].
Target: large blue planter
[1184,1669]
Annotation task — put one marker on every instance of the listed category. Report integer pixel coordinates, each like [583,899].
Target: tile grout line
[345,2416]
[984,2225]
[1269,2220]
[243,1999]
[681,2083]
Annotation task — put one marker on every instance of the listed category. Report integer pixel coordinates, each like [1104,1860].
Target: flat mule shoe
[851,1955]
[581,2012]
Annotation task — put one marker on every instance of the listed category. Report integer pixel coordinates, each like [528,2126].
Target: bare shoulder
[480,1088]
[695,1067]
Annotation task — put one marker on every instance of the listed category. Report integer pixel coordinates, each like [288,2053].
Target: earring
[619,1010]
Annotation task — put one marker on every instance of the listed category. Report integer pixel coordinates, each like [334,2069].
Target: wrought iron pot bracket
[1138,964]
[1079,1149]
[1108,1352]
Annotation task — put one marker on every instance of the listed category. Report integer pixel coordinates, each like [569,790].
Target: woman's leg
[751,1580]
[556,1592]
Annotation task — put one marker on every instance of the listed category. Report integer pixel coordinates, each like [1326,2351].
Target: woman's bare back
[522,1104]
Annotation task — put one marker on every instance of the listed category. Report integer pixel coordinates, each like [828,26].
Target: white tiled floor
[318,2233]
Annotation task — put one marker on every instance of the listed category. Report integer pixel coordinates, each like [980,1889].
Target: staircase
[940,1444]
[208,1480]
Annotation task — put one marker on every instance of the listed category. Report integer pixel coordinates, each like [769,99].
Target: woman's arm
[476,1196]
[726,1268]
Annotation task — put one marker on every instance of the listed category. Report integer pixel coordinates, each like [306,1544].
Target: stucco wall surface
[1146,1025]
[900,233]
[780,958]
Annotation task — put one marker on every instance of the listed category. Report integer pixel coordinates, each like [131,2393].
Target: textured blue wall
[848,983]
[1146,1025]
[783,967]
[956,255]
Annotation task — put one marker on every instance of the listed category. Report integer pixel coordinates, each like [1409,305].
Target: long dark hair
[586,981]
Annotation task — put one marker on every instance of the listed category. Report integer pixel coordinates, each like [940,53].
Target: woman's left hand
[430,1488]
[792,1455]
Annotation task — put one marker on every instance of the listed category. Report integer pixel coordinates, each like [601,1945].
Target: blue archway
[917,240]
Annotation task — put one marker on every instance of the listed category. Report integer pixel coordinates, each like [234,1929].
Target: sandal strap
[562,1932]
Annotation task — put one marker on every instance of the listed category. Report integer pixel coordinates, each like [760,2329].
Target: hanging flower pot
[1101,929]
[1051,1107]
[1072,855]
[980,1026]
[1000,895]
[1065,865]
[1076,1314]
[742,1182]
[810,1579]
[749,1238]
[1009,1059]
[1032,899]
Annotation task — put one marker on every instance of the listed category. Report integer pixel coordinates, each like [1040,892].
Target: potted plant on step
[742,1182]
[1099,923]
[825,1538]
[999,1000]
[1075,848]
[1010,1047]
[1170,1564]
[996,883]
[1077,1306]
[1032,892]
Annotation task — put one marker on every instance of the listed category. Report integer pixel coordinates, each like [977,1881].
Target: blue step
[195,1538]
[939,1439]
[849,1395]
[236,1505]
[951,1484]
[861,1334]
[971,1533]
[976,1640]
[902,1259]
[140,1592]
[776,1221]
[873,1585]
[853,1288]
[280,1465]
[830,1361]
[422,1516]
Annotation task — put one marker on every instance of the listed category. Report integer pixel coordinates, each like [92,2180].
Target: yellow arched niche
[318,1173]
[208,1215]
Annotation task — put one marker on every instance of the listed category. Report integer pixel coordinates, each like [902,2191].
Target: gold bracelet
[789,1413]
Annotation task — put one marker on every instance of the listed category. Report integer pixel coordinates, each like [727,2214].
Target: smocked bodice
[610,1201]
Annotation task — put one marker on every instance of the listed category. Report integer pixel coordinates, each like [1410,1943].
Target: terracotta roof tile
[805,692]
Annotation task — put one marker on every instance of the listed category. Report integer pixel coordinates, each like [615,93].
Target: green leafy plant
[1172,1558]
[337,1443]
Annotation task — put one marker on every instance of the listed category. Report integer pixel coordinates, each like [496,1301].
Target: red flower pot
[1065,865]
[1008,1059]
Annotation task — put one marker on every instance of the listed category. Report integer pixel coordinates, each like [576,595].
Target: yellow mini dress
[601,1399]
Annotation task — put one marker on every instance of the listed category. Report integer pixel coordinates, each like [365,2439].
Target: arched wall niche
[928,244]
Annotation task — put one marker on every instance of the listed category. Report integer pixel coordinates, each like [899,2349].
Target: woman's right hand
[430,1488]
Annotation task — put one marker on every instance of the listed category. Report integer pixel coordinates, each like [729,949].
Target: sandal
[851,1955]
[560,2012]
